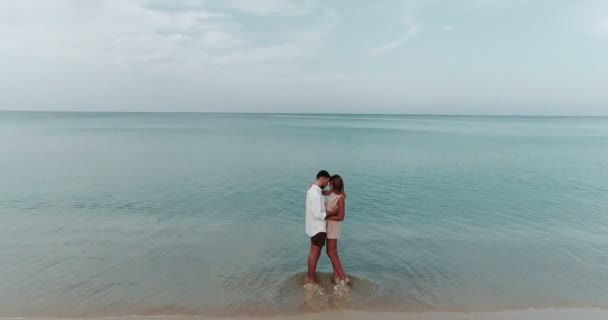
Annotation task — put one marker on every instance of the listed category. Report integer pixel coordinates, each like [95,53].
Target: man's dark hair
[323,174]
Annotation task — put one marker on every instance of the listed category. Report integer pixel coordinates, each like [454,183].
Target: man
[316,227]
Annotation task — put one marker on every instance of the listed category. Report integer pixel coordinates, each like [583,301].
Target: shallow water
[202,214]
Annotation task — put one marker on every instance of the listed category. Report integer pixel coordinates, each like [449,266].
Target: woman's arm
[341,210]
[324,192]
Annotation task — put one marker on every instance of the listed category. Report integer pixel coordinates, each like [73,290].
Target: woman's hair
[337,184]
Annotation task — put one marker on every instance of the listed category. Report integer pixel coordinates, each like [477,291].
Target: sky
[545,57]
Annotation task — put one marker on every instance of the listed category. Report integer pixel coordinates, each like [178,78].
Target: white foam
[341,298]
[315,297]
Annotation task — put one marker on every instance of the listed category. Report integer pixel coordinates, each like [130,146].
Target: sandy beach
[552,314]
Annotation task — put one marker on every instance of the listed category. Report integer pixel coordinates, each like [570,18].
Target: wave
[527,314]
[363,300]
[326,295]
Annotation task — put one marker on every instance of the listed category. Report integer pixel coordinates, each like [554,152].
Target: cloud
[600,28]
[300,47]
[273,7]
[408,21]
[117,30]
[113,53]
[447,28]
[263,55]
[176,6]
[590,19]
[411,31]
[158,31]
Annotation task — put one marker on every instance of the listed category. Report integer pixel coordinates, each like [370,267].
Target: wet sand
[546,314]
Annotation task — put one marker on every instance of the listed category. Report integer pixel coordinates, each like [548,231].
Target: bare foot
[338,279]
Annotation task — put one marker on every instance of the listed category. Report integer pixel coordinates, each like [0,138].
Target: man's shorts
[319,239]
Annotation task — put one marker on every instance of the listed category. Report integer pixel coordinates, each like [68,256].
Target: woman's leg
[331,244]
[332,253]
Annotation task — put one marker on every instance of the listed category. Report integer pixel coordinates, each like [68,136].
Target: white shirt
[315,211]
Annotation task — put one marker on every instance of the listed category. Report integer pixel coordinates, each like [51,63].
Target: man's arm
[324,192]
[332,213]
[315,207]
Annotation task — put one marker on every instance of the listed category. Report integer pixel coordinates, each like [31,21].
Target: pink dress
[333,227]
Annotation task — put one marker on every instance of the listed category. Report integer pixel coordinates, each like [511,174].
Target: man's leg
[313,258]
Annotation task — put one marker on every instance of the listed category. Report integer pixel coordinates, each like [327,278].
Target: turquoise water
[127,213]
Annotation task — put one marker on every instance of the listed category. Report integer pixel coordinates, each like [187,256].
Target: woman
[335,198]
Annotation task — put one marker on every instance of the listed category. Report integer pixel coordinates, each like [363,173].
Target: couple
[323,219]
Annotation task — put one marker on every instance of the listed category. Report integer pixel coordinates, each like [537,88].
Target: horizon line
[315,113]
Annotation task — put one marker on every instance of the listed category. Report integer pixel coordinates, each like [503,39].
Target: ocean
[202,215]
